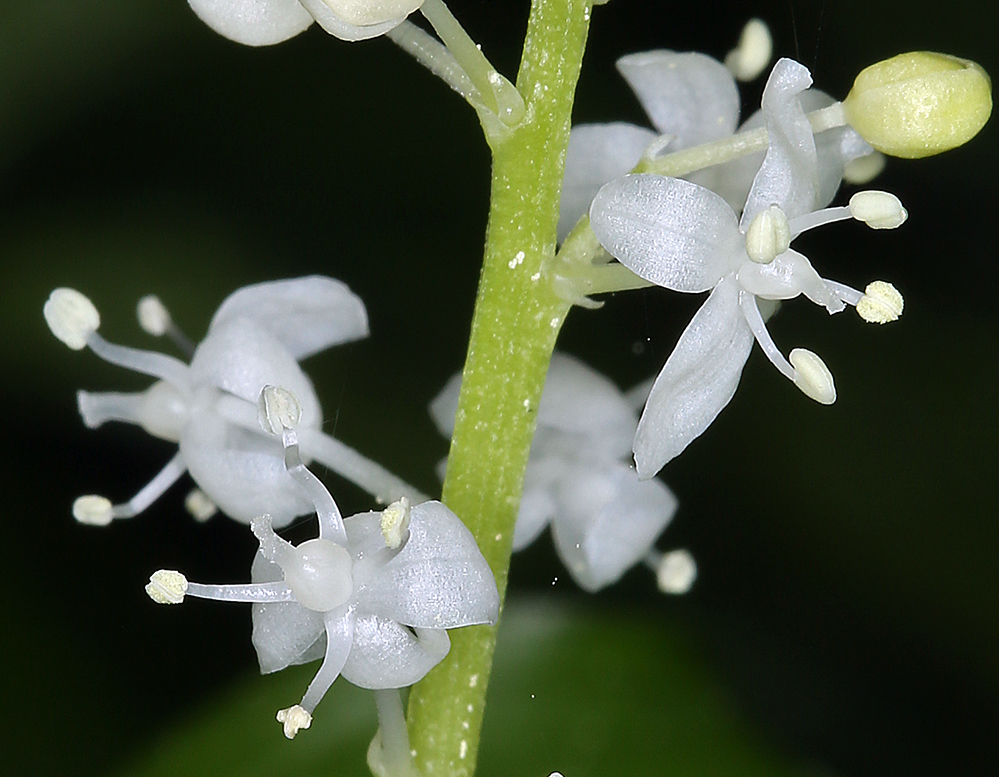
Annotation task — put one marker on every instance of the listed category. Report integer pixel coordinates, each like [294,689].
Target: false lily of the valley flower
[685,237]
[208,407]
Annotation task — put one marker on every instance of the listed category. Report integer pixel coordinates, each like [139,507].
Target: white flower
[374,609]
[263,22]
[604,520]
[686,238]
[209,407]
[691,99]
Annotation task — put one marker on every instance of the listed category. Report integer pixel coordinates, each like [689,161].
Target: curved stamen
[153,490]
[330,520]
[751,313]
[155,319]
[339,640]
[157,365]
[253,593]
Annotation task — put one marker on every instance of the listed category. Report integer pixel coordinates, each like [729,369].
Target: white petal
[690,96]
[338,27]
[306,315]
[284,633]
[789,175]
[597,153]
[387,655]
[670,232]
[699,379]
[253,22]
[607,521]
[444,406]
[438,580]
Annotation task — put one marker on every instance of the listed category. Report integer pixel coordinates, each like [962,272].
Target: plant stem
[517,318]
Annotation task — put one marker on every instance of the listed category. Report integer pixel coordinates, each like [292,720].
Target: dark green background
[846,612]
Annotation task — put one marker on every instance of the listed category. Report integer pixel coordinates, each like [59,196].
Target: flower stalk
[516,321]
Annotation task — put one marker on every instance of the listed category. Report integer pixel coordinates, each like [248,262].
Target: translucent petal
[444,406]
[306,315]
[690,96]
[253,22]
[339,28]
[789,174]
[597,153]
[284,633]
[387,655]
[669,231]
[699,379]
[438,580]
[607,521]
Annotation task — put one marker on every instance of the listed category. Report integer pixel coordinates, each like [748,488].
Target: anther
[277,409]
[294,719]
[863,170]
[93,510]
[395,522]
[752,53]
[881,303]
[199,505]
[812,376]
[879,210]
[768,235]
[167,586]
[676,572]
[153,316]
[71,316]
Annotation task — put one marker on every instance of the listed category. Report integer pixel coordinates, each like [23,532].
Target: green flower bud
[919,104]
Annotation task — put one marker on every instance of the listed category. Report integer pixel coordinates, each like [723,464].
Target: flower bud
[919,104]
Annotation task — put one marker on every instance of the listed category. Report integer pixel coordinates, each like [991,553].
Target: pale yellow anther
[277,409]
[93,510]
[71,317]
[395,522]
[676,572]
[294,719]
[153,316]
[879,210]
[167,586]
[768,235]
[199,505]
[362,13]
[812,376]
[864,169]
[881,303]
[920,103]
[752,54]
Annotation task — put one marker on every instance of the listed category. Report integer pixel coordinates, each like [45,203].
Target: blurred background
[845,618]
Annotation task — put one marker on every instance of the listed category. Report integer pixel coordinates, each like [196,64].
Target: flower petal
[253,22]
[306,315]
[690,96]
[699,379]
[607,521]
[597,153]
[789,174]
[284,633]
[388,655]
[438,580]
[669,231]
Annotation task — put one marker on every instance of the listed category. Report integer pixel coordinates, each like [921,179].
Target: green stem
[517,318]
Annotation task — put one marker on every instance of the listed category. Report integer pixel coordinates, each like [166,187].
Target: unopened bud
[919,104]
[812,376]
[880,304]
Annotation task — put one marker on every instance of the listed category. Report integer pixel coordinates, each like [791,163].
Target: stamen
[93,510]
[881,303]
[157,365]
[167,586]
[294,719]
[395,523]
[277,409]
[879,210]
[199,505]
[676,572]
[812,376]
[155,319]
[753,52]
[751,312]
[93,507]
[71,317]
[768,235]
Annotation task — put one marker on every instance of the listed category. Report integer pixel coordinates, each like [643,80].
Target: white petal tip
[812,376]
[93,510]
[277,409]
[879,210]
[294,719]
[153,316]
[881,303]
[71,316]
[676,572]
[167,586]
